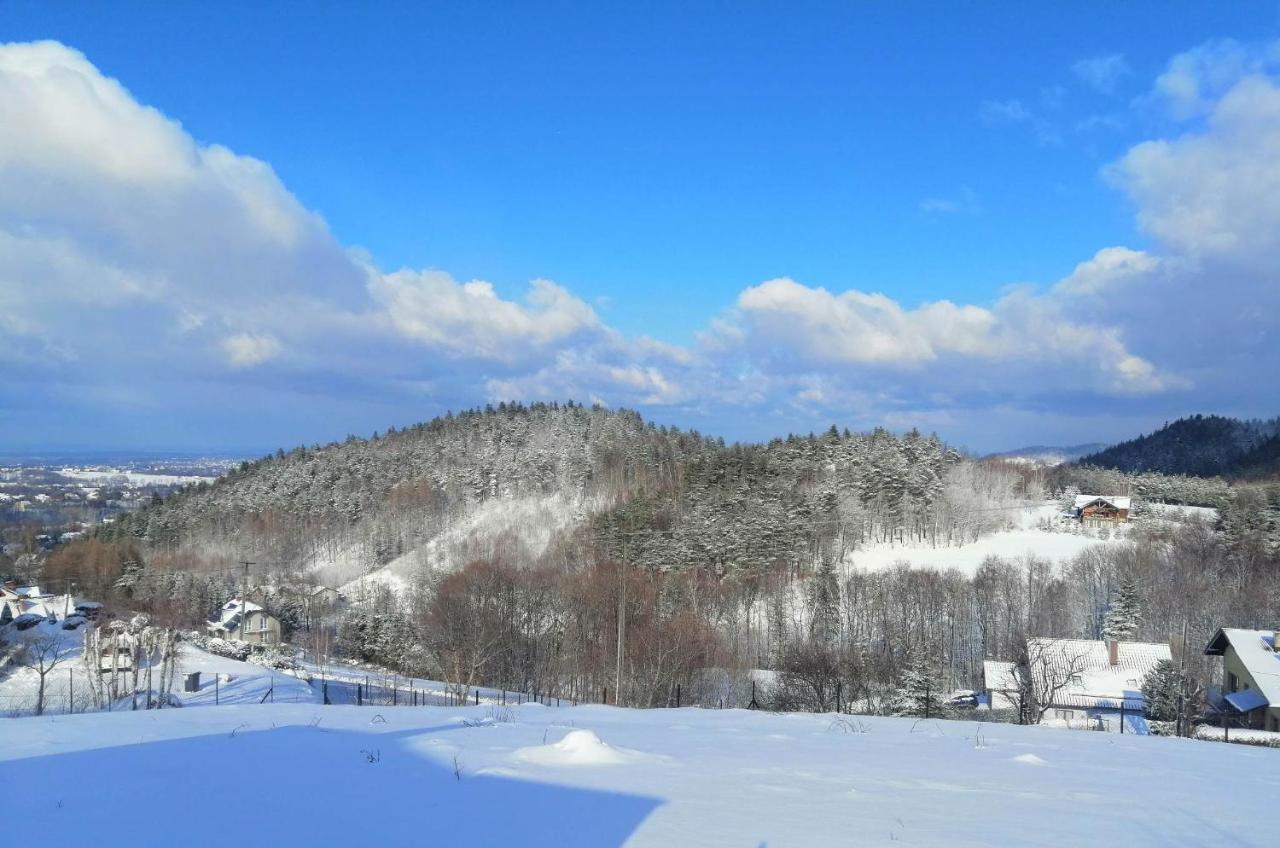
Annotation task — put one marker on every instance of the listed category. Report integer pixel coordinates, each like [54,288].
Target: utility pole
[244,598]
[1182,677]
[622,618]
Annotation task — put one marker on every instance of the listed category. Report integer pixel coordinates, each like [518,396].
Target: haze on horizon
[241,231]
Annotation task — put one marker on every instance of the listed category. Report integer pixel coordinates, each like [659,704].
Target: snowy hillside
[519,528]
[600,776]
[1035,531]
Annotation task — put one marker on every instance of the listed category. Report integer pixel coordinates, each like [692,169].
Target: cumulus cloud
[137,264]
[470,320]
[1110,267]
[1196,79]
[1215,190]
[783,324]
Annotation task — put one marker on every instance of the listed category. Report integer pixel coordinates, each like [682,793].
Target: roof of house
[1000,676]
[1257,652]
[1117,501]
[229,616]
[1094,681]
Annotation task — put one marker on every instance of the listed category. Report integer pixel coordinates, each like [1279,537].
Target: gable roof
[229,616]
[1094,681]
[1117,501]
[1257,652]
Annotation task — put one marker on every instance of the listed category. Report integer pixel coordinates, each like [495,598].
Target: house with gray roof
[1250,675]
[245,621]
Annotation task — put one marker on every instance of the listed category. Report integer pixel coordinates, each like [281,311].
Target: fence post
[1122,705]
[215,690]
[359,695]
[395,694]
[677,696]
[325,687]
[838,710]
[604,697]
[71,699]
[477,697]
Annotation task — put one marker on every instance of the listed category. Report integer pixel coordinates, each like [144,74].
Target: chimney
[1113,651]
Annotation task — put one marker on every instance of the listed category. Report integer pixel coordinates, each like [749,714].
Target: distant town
[50,501]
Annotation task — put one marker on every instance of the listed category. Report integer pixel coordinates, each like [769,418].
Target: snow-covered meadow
[287,774]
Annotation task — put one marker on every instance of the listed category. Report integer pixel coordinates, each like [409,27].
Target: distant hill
[1049,454]
[1200,446]
[523,482]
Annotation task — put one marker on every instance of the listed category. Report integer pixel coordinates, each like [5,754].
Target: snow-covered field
[1025,538]
[527,522]
[134,478]
[288,774]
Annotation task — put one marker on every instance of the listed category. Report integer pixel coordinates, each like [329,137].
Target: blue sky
[660,164]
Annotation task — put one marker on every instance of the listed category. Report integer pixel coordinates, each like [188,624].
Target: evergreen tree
[1160,690]
[1122,618]
[917,692]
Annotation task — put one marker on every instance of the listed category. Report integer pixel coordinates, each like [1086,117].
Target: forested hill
[516,480]
[431,471]
[1199,446]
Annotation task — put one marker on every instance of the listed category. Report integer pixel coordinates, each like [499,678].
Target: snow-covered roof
[1117,501]
[229,616]
[1000,676]
[1257,652]
[1086,663]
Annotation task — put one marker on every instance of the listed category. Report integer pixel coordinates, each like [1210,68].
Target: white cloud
[1195,80]
[470,320]
[1109,267]
[127,248]
[1214,191]
[1102,72]
[784,324]
[245,350]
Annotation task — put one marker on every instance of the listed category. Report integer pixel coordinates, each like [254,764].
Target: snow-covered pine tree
[1160,690]
[1121,622]
[917,692]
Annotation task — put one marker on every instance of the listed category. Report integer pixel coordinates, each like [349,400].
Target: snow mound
[577,748]
[1030,760]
